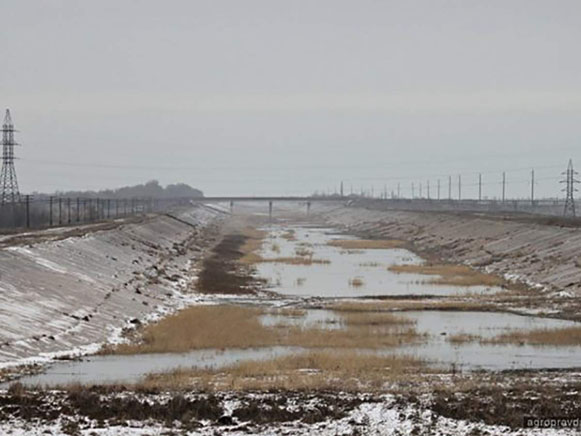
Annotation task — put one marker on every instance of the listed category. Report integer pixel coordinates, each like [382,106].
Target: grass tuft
[366,244]
[322,370]
[449,274]
[356,282]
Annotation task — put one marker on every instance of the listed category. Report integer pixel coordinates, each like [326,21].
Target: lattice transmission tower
[570,189]
[8,183]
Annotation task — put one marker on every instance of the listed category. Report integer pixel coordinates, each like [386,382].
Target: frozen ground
[259,414]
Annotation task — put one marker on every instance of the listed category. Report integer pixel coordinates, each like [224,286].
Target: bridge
[276,198]
[294,199]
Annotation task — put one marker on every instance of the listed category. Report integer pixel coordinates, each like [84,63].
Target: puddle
[132,368]
[322,319]
[350,273]
[473,355]
[438,326]
[436,350]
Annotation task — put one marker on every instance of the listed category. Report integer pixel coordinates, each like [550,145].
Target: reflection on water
[132,368]
[437,350]
[440,325]
[332,280]
[335,279]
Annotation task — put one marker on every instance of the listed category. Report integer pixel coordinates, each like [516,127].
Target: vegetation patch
[566,336]
[297,260]
[419,304]
[228,326]
[221,271]
[366,244]
[289,235]
[356,282]
[506,401]
[449,274]
[321,371]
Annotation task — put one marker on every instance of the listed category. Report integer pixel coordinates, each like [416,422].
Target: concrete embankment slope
[61,292]
[544,256]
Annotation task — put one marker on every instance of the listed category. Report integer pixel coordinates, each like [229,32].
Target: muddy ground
[444,404]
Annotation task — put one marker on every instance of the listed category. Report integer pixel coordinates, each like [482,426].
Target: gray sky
[286,97]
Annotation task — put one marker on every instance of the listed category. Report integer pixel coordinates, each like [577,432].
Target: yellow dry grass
[322,370]
[365,244]
[291,312]
[226,326]
[448,274]
[289,235]
[356,282]
[404,305]
[297,260]
[558,337]
[462,338]
[253,243]
[197,327]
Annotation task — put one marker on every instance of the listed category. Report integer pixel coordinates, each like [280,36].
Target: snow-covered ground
[379,416]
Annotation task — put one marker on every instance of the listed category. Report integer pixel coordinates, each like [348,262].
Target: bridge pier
[308,208]
[270,211]
[231,207]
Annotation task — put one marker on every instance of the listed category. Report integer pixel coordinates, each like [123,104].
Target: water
[112,369]
[322,319]
[333,279]
[438,326]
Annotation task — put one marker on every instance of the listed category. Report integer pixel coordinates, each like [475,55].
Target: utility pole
[50,211]
[479,186]
[503,185]
[570,180]
[449,187]
[532,187]
[413,191]
[341,188]
[8,183]
[398,192]
[459,187]
[428,188]
[438,189]
[420,189]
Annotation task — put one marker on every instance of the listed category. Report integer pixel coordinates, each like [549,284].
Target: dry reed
[567,336]
[323,370]
[225,326]
[356,282]
[454,275]
[365,244]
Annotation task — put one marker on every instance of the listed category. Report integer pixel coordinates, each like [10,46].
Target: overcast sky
[287,97]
